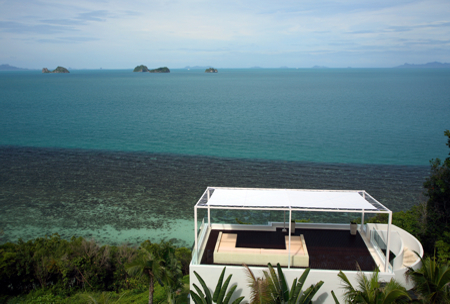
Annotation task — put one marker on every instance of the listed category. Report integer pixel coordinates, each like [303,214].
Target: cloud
[131,13]
[189,30]
[63,21]
[99,15]
[68,40]
[22,28]
[427,42]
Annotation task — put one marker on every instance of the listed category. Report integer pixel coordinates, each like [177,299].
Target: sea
[123,157]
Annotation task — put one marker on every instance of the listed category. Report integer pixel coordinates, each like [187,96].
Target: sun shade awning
[283,198]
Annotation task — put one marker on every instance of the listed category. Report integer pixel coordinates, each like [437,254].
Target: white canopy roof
[283,198]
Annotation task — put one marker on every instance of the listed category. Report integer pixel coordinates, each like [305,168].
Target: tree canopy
[437,189]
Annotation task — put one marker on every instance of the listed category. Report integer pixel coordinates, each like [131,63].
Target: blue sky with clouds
[223,34]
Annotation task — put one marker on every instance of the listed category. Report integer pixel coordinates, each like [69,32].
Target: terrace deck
[328,249]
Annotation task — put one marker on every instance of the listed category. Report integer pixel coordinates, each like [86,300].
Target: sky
[120,34]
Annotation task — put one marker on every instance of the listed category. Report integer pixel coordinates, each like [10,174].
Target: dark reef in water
[88,189]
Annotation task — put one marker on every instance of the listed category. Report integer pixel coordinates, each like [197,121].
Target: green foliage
[443,250]
[279,291]
[219,295]
[184,256]
[158,262]
[53,267]
[259,288]
[103,298]
[432,281]
[131,296]
[371,291]
[160,70]
[303,221]
[140,68]
[60,69]
[241,222]
[437,189]
[273,288]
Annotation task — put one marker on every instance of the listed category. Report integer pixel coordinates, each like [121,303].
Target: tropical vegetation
[371,291]
[219,297]
[158,263]
[431,281]
[53,267]
[273,287]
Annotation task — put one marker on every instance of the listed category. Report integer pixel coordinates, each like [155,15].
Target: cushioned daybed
[226,252]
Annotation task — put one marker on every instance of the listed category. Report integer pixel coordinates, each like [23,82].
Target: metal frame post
[388,245]
[209,217]
[209,209]
[362,221]
[196,229]
[289,254]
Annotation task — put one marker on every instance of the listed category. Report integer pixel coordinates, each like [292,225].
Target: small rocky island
[211,70]
[59,69]
[140,68]
[160,70]
[143,68]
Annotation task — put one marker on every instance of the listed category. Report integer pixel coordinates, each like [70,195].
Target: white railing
[378,240]
[196,252]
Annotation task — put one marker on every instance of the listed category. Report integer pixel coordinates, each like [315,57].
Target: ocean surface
[124,157]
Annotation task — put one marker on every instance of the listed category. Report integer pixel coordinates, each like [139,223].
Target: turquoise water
[122,156]
[373,116]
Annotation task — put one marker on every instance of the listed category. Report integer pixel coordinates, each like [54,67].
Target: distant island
[142,68]
[59,69]
[7,67]
[160,70]
[211,70]
[429,65]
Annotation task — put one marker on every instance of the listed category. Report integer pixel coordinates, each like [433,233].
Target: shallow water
[119,197]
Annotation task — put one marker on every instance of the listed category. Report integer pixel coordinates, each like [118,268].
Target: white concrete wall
[211,273]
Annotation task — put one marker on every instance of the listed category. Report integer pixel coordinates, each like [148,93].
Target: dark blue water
[124,156]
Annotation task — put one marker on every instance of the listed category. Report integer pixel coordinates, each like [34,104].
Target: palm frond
[205,288]
[258,287]
[218,286]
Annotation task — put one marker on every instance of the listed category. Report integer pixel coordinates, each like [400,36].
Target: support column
[388,245]
[195,231]
[209,217]
[289,252]
[362,222]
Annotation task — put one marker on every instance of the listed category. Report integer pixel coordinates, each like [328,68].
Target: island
[429,65]
[160,70]
[7,67]
[59,69]
[140,68]
[211,70]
